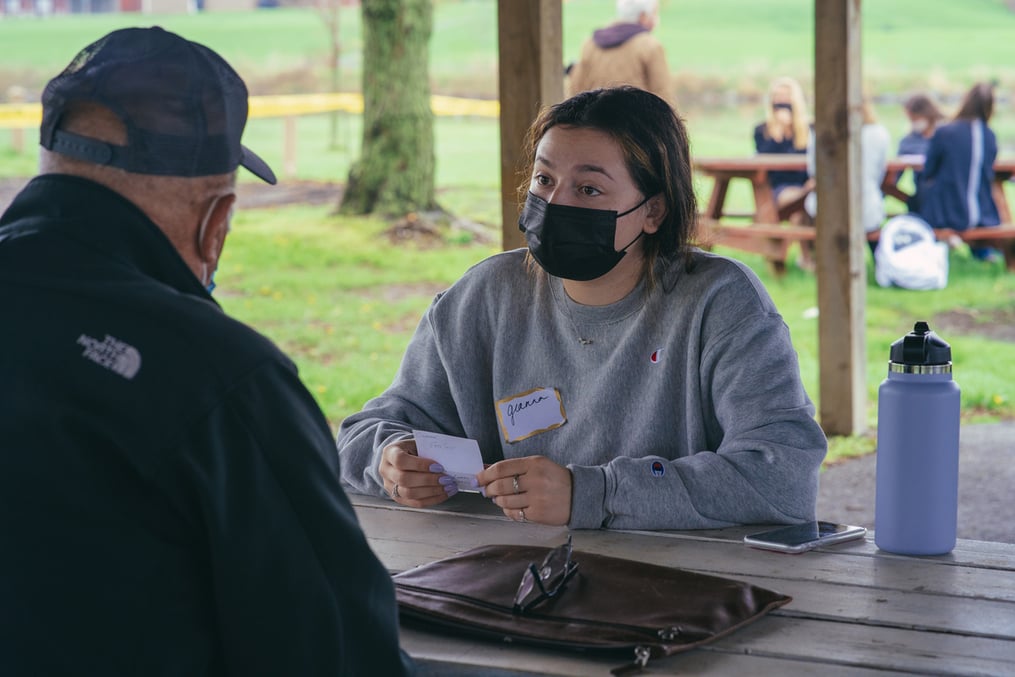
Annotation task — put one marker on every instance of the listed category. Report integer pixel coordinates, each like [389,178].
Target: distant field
[342,299]
[715,45]
[719,50]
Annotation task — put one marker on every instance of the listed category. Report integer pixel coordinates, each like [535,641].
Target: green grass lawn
[343,300]
[736,45]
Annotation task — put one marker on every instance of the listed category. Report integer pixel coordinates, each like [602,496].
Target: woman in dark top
[786,129]
[924,117]
[954,189]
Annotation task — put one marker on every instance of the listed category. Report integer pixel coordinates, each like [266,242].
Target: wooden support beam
[840,241]
[531,72]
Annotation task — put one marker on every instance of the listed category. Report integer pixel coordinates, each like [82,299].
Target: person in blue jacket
[954,188]
[169,491]
[924,116]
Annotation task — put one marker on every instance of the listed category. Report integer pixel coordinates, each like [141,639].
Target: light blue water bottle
[916,502]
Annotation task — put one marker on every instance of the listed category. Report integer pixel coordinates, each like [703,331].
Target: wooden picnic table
[755,168]
[766,233]
[856,610]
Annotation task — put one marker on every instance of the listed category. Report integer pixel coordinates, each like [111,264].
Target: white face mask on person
[920,125]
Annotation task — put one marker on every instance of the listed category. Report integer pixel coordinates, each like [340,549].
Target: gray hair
[630,10]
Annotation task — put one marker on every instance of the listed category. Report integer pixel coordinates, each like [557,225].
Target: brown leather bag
[601,603]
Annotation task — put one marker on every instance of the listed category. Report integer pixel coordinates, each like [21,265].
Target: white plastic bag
[908,255]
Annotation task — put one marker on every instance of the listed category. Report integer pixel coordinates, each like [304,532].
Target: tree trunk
[394,175]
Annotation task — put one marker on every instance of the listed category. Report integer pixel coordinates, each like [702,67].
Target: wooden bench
[773,240]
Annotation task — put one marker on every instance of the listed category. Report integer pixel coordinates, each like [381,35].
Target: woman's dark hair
[978,103]
[654,143]
[921,106]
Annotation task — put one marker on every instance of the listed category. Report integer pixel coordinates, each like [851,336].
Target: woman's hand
[411,480]
[533,489]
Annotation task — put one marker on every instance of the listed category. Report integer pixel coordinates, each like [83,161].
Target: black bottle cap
[921,346]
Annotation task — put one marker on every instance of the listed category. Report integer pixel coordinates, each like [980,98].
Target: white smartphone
[802,537]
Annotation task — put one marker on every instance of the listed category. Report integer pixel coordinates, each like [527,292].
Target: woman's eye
[589,191]
[541,180]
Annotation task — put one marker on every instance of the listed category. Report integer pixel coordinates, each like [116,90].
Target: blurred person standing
[625,53]
[169,493]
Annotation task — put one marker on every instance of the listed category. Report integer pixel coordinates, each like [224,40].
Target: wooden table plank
[844,564]
[452,657]
[855,608]
[796,646]
[893,649]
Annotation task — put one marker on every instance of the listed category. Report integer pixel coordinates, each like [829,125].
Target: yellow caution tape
[20,115]
[25,115]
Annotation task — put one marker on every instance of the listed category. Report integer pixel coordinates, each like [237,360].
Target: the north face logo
[113,354]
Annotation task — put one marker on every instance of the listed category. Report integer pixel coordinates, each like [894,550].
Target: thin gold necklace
[567,300]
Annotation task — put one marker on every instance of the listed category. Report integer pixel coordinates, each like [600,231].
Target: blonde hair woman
[786,129]
[788,117]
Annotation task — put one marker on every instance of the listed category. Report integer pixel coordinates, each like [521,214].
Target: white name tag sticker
[460,456]
[526,414]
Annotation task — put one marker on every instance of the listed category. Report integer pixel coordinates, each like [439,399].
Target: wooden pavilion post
[531,54]
[841,269]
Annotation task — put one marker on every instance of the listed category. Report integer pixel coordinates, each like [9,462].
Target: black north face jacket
[169,495]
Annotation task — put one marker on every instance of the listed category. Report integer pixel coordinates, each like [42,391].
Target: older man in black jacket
[169,496]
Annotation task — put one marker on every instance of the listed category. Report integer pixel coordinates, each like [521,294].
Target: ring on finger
[394,491]
[521,515]
[514,481]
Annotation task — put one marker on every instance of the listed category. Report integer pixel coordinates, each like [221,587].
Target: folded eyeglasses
[540,583]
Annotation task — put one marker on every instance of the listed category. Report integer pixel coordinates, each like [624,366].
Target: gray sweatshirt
[685,411]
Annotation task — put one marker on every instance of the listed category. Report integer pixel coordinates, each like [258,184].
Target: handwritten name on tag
[460,456]
[530,413]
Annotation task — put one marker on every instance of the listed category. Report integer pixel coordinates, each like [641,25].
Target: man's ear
[211,235]
[655,212]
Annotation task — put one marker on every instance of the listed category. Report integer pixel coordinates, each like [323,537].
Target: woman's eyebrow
[595,169]
[587,168]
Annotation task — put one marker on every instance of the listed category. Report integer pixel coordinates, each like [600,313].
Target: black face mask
[575,243]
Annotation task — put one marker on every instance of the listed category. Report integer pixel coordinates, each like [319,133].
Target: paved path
[986,485]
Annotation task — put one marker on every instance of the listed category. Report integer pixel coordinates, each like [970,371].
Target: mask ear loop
[636,207]
[205,281]
[641,232]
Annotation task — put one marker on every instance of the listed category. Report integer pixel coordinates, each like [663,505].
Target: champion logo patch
[113,354]
[655,356]
[658,469]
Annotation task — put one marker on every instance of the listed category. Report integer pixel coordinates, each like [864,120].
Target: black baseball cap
[183,106]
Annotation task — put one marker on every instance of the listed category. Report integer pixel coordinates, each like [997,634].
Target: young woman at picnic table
[924,117]
[612,374]
[786,129]
[954,188]
[874,143]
